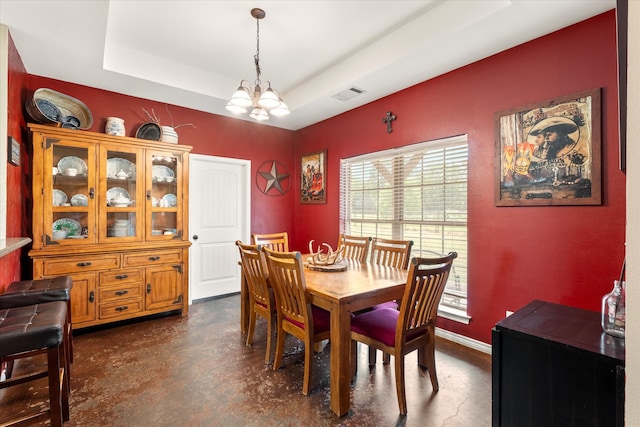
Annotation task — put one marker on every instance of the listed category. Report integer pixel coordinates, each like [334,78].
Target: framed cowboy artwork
[549,153]
[313,178]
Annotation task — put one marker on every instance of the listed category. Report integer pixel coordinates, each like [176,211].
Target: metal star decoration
[273,179]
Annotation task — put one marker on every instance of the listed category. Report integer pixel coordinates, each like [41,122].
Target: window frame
[394,168]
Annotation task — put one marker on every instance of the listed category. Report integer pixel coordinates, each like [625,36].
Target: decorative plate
[71,122]
[49,110]
[114,192]
[79,200]
[117,164]
[169,201]
[150,131]
[59,197]
[162,172]
[72,162]
[72,226]
[154,202]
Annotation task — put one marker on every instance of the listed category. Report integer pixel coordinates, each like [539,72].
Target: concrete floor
[196,371]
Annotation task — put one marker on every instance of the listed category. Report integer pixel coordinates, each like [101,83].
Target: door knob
[195,237]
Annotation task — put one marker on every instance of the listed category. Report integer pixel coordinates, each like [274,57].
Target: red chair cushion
[321,320]
[379,324]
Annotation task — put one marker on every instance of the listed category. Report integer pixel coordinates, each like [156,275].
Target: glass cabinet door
[121,196]
[164,196]
[69,193]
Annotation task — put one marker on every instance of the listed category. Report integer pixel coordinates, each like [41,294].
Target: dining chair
[356,248]
[296,316]
[261,298]
[275,241]
[393,253]
[399,332]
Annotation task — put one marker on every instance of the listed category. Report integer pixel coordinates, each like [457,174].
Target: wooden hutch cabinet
[112,213]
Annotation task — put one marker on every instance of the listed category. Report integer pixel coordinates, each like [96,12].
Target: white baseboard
[465,341]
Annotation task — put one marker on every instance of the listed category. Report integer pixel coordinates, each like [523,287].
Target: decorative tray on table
[332,268]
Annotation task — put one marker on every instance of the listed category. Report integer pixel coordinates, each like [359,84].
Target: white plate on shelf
[72,227]
[59,197]
[159,172]
[72,162]
[79,200]
[114,192]
[169,201]
[154,202]
[117,164]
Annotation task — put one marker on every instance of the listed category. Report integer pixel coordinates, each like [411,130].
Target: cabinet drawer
[120,308]
[115,293]
[121,276]
[79,264]
[152,258]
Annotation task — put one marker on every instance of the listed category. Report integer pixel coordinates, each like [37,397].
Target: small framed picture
[14,151]
[313,178]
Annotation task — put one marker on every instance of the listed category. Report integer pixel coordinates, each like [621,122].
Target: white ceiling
[194,53]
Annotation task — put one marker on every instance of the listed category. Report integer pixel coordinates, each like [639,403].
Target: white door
[219,214]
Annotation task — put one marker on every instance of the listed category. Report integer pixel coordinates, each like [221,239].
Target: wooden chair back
[261,300]
[356,248]
[254,267]
[393,253]
[287,279]
[296,316]
[419,307]
[275,241]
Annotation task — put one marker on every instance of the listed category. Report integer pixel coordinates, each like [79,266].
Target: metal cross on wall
[388,119]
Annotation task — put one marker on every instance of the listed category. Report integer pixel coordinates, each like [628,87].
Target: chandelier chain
[257,55]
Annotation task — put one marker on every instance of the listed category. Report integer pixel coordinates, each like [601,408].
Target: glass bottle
[613,310]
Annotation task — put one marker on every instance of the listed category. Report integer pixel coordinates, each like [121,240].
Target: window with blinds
[419,193]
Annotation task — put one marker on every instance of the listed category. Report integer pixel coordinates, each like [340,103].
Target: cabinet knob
[92,296]
[122,308]
[120,293]
[148,288]
[195,237]
[83,264]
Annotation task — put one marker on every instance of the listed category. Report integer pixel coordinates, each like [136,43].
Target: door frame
[246,229]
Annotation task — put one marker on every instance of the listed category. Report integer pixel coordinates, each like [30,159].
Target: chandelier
[262,103]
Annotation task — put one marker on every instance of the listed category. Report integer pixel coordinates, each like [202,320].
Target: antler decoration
[320,258]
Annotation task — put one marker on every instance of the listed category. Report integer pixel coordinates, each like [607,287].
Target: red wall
[18,182]
[563,254]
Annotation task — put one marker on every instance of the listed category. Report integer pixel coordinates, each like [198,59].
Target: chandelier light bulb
[241,97]
[268,99]
[259,114]
[236,109]
[280,110]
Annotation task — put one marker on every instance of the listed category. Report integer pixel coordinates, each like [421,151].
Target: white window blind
[417,192]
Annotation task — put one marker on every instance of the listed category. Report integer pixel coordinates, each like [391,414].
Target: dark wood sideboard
[554,366]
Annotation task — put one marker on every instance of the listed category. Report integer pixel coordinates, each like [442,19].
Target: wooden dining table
[341,293]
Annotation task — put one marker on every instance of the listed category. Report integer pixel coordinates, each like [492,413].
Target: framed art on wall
[313,178]
[13,154]
[549,153]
